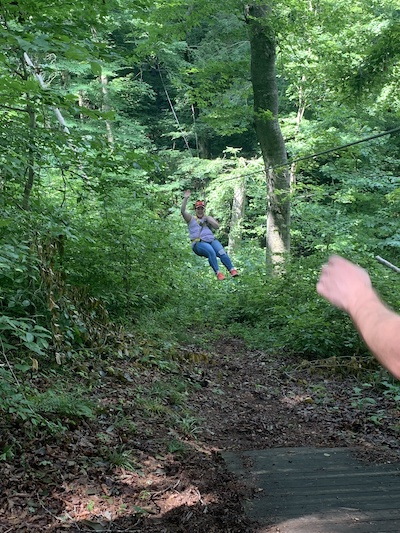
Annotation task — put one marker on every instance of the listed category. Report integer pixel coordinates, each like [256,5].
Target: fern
[63,405]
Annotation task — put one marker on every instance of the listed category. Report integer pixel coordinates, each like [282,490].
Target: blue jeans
[211,250]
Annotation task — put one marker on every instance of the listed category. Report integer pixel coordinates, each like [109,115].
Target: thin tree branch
[10,108]
[386,263]
[38,76]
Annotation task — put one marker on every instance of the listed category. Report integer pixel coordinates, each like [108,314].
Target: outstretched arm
[348,287]
[187,216]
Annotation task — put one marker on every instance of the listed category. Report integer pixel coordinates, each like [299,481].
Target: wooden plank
[344,524]
[311,490]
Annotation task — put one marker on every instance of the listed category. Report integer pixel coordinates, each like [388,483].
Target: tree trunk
[31,158]
[235,234]
[106,107]
[263,77]
[203,146]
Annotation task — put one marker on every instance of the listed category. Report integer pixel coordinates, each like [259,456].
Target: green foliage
[24,332]
[67,406]
[178,448]
[279,313]
[13,402]
[286,314]
[90,228]
[23,323]
[391,389]
[187,424]
[50,410]
[381,53]
[6,454]
[122,458]
[172,393]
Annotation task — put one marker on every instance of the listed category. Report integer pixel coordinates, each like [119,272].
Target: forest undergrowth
[135,444]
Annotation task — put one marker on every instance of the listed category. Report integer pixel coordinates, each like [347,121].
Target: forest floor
[244,400]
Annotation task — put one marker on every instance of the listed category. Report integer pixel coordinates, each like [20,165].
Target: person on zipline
[203,240]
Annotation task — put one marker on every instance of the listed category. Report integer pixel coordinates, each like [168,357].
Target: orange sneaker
[220,276]
[234,272]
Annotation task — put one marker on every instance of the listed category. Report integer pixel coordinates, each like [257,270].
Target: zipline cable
[288,163]
[342,147]
[171,105]
[317,154]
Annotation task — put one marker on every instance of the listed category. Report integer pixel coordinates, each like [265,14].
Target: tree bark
[235,233]
[269,135]
[39,78]
[31,158]
[106,107]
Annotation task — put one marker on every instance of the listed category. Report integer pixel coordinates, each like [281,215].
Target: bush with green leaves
[23,332]
[25,407]
[277,312]
[13,401]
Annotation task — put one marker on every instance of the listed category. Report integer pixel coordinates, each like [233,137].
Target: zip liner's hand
[187,216]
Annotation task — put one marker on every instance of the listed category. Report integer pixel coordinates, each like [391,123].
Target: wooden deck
[313,490]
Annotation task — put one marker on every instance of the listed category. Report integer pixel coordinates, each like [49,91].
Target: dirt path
[244,400]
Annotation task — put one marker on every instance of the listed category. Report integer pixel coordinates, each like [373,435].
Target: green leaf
[96,68]
[76,53]
[23,367]
[29,337]
[107,115]
[33,347]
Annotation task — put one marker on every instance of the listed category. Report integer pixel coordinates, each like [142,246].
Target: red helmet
[199,203]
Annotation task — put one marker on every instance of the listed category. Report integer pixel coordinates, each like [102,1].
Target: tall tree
[265,91]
